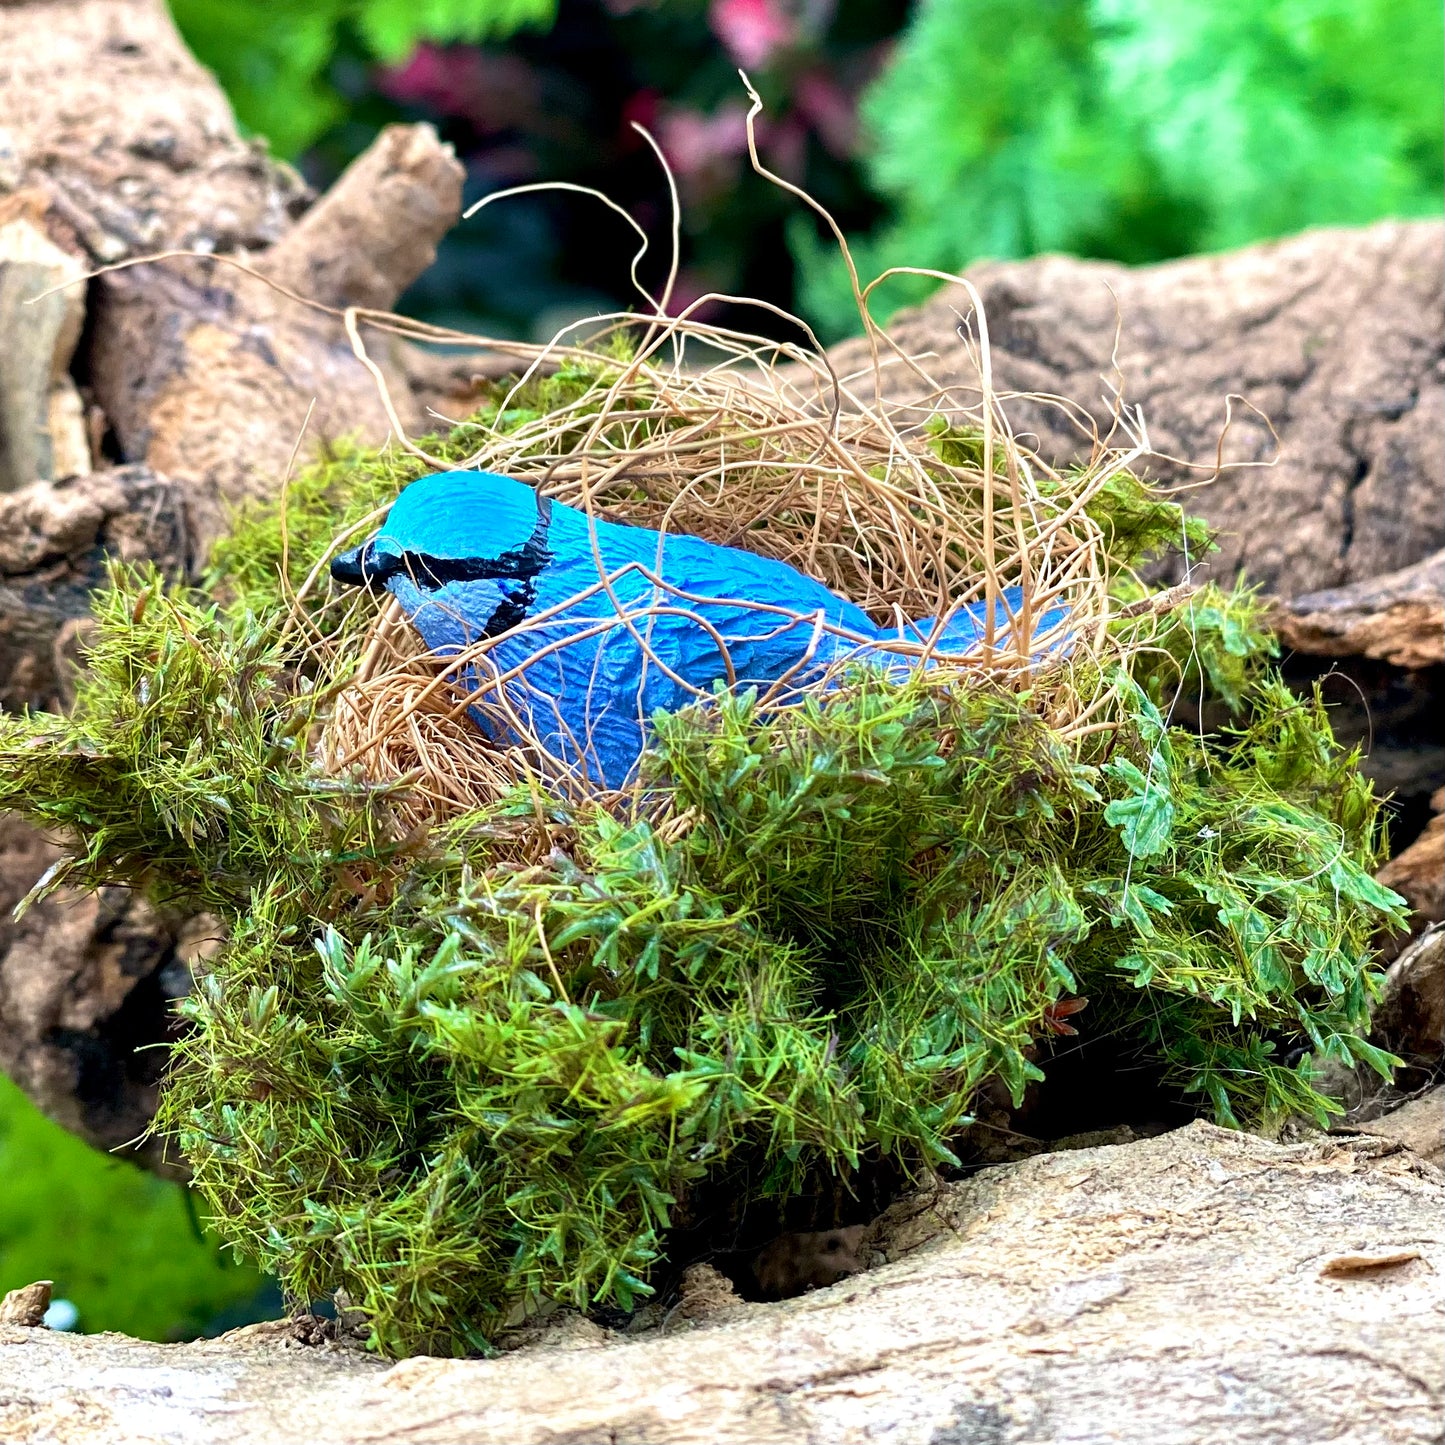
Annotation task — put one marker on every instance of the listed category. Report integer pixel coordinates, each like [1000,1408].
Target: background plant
[1138,131]
[125,1248]
[936,133]
[278,60]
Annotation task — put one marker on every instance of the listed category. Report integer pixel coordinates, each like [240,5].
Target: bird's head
[452,527]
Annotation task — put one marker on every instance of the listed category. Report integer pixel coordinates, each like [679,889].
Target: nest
[906,508]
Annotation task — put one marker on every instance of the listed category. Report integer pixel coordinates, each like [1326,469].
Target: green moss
[456,1086]
[1135,521]
[121,1245]
[1208,649]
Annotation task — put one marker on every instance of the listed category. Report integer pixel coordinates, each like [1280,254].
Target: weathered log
[26,1305]
[42,426]
[1337,337]
[1335,504]
[231,367]
[205,373]
[1398,618]
[1417,873]
[86,979]
[104,109]
[1199,1288]
[1418,1125]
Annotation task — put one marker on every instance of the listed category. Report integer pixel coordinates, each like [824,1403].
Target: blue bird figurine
[473,555]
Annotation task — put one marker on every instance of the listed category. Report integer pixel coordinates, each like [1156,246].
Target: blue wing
[964,630]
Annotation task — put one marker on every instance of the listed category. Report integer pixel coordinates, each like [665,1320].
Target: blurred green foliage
[274,56]
[1138,130]
[1128,129]
[120,1244]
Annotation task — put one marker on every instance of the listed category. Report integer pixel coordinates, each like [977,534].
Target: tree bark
[1199,1288]
[1336,336]
[1398,618]
[239,375]
[204,373]
[105,110]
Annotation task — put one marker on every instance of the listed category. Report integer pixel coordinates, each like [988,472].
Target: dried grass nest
[904,494]
[906,507]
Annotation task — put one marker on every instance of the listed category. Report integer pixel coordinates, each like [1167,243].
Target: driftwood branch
[235,366]
[42,433]
[1398,618]
[87,980]
[375,231]
[128,148]
[1200,1288]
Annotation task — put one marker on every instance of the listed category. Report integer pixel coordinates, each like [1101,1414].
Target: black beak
[356,568]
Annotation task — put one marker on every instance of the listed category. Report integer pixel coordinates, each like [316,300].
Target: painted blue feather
[471,555]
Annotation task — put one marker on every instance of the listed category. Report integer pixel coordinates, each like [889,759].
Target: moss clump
[461,1073]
